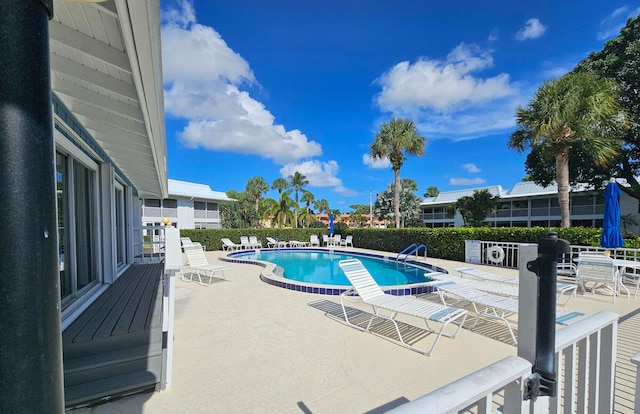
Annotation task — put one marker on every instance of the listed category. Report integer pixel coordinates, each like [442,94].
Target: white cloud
[319,174]
[447,98]
[465,181]
[611,25]
[376,163]
[532,29]
[203,77]
[470,167]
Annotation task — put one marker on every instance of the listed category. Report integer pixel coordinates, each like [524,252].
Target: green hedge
[443,243]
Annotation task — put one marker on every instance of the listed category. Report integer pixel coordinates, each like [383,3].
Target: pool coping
[270,276]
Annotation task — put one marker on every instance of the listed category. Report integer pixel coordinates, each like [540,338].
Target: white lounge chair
[314,241]
[197,262]
[254,242]
[371,294]
[244,242]
[600,270]
[273,243]
[562,288]
[227,244]
[490,305]
[347,241]
[186,241]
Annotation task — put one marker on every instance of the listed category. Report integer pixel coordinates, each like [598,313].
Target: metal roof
[106,67]
[194,190]
[520,190]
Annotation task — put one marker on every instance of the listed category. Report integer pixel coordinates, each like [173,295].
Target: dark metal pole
[31,375]
[543,381]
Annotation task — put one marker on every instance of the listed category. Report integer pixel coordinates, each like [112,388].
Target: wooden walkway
[115,346]
[628,346]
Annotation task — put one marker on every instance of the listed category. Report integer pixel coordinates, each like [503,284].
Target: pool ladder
[411,249]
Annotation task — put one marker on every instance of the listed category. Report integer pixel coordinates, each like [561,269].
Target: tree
[409,202]
[432,191]
[308,198]
[395,138]
[279,184]
[540,166]
[475,209]
[297,181]
[239,214]
[256,186]
[620,60]
[575,107]
[321,205]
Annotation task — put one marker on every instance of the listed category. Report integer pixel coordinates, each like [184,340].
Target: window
[170,203]
[121,225]
[76,187]
[151,202]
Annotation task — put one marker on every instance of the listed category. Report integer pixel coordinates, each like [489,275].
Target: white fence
[585,366]
[152,249]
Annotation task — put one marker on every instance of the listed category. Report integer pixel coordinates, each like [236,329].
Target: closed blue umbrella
[611,237]
[331,224]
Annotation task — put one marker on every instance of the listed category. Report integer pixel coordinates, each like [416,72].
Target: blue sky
[255,88]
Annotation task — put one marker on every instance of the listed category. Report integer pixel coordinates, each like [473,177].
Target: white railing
[585,367]
[636,360]
[152,250]
[500,254]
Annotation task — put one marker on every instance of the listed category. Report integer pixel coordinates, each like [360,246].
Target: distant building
[189,206]
[530,205]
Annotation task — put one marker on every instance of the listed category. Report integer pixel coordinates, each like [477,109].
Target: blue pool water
[320,267]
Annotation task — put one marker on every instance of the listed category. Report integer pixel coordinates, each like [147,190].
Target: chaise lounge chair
[562,288]
[371,294]
[490,305]
[197,261]
[273,243]
[254,242]
[227,244]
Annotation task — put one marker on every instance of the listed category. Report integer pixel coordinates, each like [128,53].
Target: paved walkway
[242,346]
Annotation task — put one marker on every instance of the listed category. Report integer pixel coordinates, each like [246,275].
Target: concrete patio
[242,346]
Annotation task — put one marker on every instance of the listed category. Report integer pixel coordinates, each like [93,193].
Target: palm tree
[279,184]
[575,107]
[256,186]
[307,198]
[321,205]
[395,138]
[297,181]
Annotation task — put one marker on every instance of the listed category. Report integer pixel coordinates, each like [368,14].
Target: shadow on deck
[115,347]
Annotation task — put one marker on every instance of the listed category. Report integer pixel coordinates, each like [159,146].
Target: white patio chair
[254,242]
[314,241]
[600,270]
[273,243]
[347,241]
[490,305]
[197,262]
[370,293]
[244,242]
[227,244]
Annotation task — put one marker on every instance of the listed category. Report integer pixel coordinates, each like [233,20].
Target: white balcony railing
[585,367]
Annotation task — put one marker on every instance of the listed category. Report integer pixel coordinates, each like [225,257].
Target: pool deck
[243,346]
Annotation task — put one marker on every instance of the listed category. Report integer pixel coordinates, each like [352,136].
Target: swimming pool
[317,270]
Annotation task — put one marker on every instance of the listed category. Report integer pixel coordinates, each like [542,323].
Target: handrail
[415,250]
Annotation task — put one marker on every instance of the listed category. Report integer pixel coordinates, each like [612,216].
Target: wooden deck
[115,346]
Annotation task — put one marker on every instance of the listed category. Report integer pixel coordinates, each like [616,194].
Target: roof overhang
[106,67]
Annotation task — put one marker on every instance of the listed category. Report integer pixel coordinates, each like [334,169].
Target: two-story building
[188,206]
[528,205]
